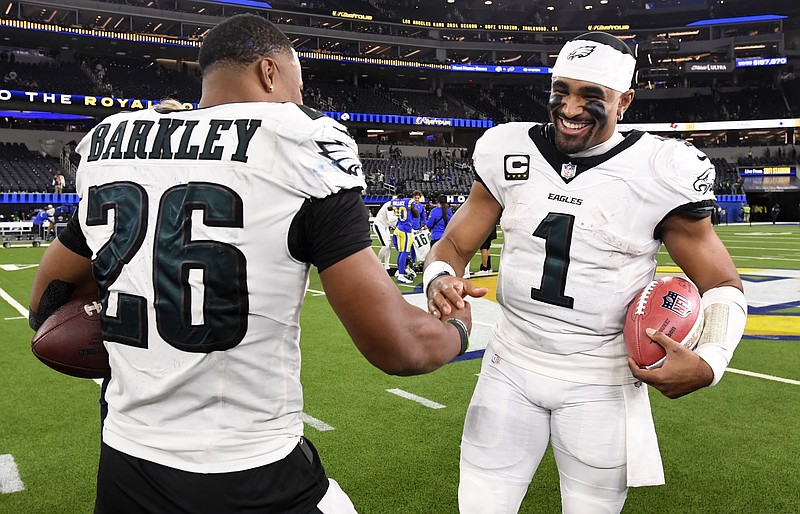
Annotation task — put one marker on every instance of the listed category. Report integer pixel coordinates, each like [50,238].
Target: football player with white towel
[584,210]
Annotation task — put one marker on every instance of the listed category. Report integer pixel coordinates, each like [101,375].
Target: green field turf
[729,449]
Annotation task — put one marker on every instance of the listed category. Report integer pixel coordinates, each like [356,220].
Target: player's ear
[267,69]
[624,102]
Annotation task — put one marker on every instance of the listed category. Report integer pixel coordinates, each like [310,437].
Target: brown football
[671,305]
[70,340]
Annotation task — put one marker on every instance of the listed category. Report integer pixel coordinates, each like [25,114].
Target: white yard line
[414,398]
[10,482]
[12,302]
[765,377]
[17,267]
[315,423]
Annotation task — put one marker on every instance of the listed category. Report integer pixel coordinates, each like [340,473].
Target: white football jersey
[422,243]
[386,216]
[187,215]
[580,239]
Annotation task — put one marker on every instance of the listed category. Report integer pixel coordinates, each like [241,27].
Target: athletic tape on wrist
[463,332]
[725,311]
[434,270]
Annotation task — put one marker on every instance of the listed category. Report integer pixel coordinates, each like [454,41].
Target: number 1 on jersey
[556,230]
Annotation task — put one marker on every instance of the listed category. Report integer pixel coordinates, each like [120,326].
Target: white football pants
[385,240]
[512,417]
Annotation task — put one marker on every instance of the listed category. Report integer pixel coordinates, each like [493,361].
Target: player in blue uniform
[38,223]
[404,232]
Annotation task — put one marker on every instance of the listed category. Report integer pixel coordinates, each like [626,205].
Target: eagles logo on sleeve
[705,182]
[341,155]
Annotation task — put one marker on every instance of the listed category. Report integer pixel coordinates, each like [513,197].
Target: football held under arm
[64,273]
[693,244]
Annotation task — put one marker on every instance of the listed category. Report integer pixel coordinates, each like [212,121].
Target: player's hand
[447,293]
[683,370]
[464,314]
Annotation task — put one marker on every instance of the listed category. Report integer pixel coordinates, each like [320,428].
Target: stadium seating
[23,170]
[431,175]
[130,79]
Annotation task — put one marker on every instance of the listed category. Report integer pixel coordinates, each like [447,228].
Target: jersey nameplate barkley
[123,142]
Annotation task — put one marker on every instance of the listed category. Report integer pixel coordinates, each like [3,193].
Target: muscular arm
[62,275]
[465,232]
[696,248]
[392,334]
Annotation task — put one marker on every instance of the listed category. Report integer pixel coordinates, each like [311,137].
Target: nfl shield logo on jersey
[678,304]
[569,170]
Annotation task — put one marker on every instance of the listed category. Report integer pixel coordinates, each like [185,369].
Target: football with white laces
[71,340]
[671,305]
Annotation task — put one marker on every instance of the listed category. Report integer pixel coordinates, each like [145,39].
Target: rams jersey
[402,210]
[580,239]
[187,215]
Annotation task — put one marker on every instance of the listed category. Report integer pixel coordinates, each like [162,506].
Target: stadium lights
[451,1]
[551,8]
[8,9]
[749,47]
[488,2]
[684,33]
[587,7]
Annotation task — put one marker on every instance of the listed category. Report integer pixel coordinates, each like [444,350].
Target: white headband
[592,61]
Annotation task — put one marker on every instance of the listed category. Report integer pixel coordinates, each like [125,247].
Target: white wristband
[725,311]
[433,270]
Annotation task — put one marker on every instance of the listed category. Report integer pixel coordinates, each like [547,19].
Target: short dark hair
[241,40]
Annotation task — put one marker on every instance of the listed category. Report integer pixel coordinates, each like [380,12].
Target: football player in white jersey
[584,210]
[382,227]
[174,232]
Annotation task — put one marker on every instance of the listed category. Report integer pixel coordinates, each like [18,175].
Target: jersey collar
[570,167]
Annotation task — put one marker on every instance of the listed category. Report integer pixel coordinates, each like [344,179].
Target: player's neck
[615,139]
[217,93]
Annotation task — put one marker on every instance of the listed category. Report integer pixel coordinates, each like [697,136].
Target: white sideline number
[10,482]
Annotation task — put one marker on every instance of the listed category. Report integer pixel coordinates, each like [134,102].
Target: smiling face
[584,113]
